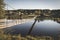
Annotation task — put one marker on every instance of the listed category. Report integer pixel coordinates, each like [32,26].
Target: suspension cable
[9,6]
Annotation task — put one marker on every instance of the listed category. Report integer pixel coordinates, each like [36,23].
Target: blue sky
[32,4]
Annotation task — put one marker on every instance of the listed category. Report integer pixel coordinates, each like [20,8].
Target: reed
[19,37]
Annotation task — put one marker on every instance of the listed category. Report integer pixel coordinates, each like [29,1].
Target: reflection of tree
[36,19]
[32,27]
[39,18]
[57,20]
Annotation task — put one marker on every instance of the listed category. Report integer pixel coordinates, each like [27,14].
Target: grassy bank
[19,37]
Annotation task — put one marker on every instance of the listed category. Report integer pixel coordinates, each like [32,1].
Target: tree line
[16,14]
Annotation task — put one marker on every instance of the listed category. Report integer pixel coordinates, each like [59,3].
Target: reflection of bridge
[9,23]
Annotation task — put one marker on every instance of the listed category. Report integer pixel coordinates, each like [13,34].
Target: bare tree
[2,12]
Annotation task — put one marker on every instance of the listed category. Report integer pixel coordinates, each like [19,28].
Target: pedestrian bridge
[8,23]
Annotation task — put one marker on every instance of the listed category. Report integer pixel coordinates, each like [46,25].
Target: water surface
[35,28]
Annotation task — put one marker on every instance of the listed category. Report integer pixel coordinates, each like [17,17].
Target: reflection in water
[32,27]
[40,26]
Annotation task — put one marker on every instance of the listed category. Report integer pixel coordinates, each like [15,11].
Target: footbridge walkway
[8,23]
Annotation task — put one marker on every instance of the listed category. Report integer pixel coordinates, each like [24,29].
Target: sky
[32,4]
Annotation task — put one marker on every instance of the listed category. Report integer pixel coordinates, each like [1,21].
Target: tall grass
[19,37]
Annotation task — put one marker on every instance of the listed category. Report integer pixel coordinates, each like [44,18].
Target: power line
[9,6]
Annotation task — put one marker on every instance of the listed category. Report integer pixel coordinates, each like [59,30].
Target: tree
[37,12]
[2,12]
[55,13]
